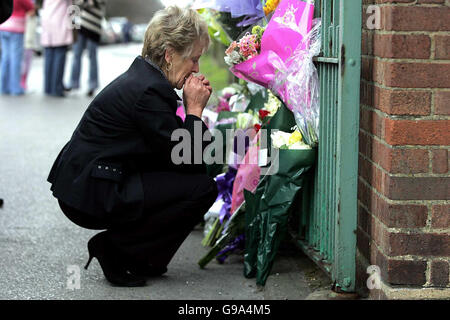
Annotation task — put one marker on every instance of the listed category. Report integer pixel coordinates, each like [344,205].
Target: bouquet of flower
[269,205]
[248,173]
[247,47]
[268,198]
[259,55]
[220,211]
[268,209]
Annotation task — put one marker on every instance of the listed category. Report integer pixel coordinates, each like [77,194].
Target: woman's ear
[168,56]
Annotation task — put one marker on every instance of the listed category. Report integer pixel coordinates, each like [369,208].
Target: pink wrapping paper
[290,23]
[180,112]
[247,176]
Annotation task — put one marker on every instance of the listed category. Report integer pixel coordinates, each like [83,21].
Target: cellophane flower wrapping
[268,207]
[298,85]
[285,31]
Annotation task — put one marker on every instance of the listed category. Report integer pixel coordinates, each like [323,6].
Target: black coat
[125,130]
[6,8]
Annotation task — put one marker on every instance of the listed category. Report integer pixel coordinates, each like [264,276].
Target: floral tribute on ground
[275,109]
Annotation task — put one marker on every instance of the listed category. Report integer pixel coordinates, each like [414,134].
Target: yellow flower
[270,6]
[295,137]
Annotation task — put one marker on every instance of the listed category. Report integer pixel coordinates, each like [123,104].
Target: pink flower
[249,45]
[223,105]
[230,49]
[227,96]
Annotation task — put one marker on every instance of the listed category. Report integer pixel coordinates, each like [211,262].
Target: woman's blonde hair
[176,28]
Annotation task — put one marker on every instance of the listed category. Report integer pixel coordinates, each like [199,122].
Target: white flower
[280,139]
[299,146]
[228,61]
[246,120]
[229,90]
[232,59]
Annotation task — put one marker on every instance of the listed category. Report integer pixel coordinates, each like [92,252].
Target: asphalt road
[41,251]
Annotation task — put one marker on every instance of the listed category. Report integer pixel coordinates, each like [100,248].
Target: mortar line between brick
[404,175]
[429,215]
[400,258]
[380,85]
[410,4]
[406,117]
[430,161]
[407,60]
[409,231]
[401,202]
[408,257]
[433,48]
[404,147]
[433,99]
[428,274]
[405,33]
[405,292]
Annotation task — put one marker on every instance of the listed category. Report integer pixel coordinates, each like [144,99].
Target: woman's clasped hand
[196,93]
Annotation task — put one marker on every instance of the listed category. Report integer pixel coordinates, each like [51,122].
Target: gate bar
[344,265]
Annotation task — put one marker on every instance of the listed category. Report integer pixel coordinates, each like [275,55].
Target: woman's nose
[196,68]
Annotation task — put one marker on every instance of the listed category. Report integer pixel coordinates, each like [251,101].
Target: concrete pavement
[41,251]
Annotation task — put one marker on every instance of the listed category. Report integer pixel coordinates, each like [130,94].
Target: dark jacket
[125,130]
[6,9]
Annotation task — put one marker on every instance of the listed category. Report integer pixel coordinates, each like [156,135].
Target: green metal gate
[328,225]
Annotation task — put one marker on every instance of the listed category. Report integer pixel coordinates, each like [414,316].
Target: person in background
[92,13]
[57,36]
[29,45]
[5,13]
[11,35]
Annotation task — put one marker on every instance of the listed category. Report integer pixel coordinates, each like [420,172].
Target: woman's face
[183,67]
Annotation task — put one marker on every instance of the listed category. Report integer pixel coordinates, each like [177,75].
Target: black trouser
[174,204]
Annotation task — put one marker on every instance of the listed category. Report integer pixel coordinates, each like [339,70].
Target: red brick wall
[404,183]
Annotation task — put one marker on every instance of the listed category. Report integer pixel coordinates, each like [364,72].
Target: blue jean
[78,48]
[11,63]
[55,62]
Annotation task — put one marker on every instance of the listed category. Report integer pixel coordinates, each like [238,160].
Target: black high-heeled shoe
[147,271]
[114,272]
